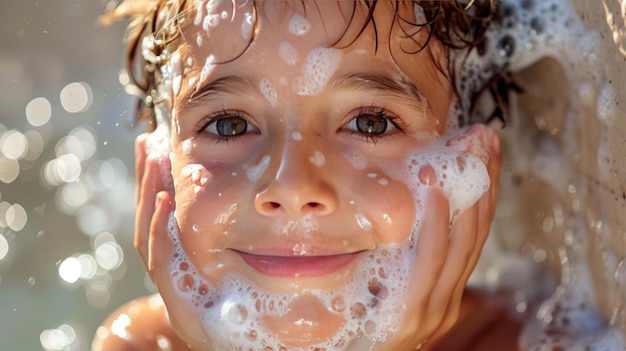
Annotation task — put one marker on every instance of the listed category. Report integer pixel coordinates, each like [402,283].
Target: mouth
[298,266]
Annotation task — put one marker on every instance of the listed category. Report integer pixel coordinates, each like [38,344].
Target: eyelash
[394,119]
[214,118]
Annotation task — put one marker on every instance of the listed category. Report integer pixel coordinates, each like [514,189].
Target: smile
[298,266]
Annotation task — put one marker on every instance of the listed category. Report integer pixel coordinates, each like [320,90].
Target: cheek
[206,204]
[388,203]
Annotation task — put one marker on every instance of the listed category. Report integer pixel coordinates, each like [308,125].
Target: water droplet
[186,282]
[338,304]
[506,46]
[537,25]
[237,314]
[358,310]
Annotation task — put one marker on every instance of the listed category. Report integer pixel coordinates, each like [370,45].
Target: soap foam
[528,31]
[371,301]
[298,25]
[268,91]
[255,172]
[288,53]
[461,176]
[319,66]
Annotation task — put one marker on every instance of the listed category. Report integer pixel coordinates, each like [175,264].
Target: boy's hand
[155,207]
[446,256]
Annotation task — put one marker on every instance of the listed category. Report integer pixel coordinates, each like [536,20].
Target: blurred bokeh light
[66,182]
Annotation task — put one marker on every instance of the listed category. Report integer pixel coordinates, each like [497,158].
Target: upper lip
[283,263]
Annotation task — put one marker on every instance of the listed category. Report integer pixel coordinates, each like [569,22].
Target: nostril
[315,206]
[270,206]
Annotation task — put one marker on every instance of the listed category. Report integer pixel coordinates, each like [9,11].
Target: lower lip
[298,266]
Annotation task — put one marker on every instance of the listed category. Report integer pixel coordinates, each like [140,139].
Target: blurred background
[66,176]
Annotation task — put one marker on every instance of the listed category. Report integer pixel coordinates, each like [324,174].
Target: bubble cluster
[298,25]
[371,301]
[461,176]
[526,32]
[319,66]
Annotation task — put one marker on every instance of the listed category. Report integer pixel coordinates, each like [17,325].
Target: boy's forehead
[225,29]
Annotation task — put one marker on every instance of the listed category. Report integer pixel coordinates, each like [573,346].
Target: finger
[483,215]
[150,186]
[431,250]
[163,232]
[160,243]
[445,301]
[140,162]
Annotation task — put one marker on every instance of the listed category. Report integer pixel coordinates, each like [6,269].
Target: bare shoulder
[484,324]
[140,325]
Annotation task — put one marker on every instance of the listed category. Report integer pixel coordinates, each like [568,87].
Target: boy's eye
[375,123]
[229,126]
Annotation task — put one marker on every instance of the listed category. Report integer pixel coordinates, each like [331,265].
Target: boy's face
[296,218]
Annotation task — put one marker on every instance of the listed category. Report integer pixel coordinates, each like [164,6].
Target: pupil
[231,126]
[371,124]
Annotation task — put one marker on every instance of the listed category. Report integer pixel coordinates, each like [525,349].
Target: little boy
[307,185]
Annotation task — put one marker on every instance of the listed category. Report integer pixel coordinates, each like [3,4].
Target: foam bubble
[207,68]
[317,159]
[296,136]
[255,172]
[246,25]
[268,91]
[461,176]
[298,25]
[319,66]
[371,302]
[176,72]
[288,53]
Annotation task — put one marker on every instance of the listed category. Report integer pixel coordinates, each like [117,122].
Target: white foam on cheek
[268,91]
[462,177]
[187,146]
[298,25]
[255,172]
[319,66]
[198,175]
[233,313]
[199,39]
[318,158]
[288,53]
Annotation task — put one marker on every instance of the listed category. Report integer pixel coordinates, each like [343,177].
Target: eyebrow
[380,82]
[230,84]
[384,83]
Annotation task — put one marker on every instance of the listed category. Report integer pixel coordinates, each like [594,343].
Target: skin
[292,186]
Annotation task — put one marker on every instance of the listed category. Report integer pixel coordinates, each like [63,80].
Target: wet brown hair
[456,25]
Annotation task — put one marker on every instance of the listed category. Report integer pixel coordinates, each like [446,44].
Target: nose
[300,186]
